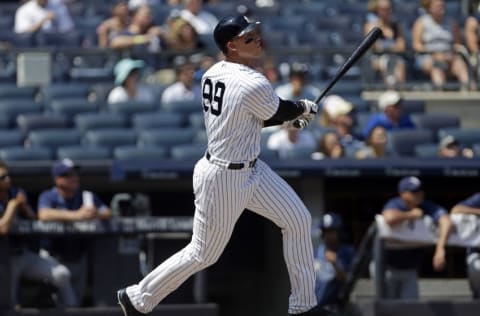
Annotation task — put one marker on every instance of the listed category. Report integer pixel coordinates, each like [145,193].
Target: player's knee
[61,276]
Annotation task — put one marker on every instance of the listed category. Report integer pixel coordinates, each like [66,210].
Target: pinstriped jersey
[236,101]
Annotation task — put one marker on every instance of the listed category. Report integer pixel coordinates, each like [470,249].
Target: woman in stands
[436,41]
[376,144]
[117,23]
[387,59]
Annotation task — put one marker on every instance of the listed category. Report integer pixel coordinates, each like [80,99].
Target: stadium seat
[429,150]
[12,91]
[465,136]
[110,138]
[91,75]
[30,122]
[11,109]
[359,104]
[413,106]
[185,107]
[71,39]
[131,107]
[24,154]
[10,138]
[297,153]
[143,121]
[94,121]
[54,138]
[82,152]
[476,150]
[71,107]
[361,120]
[100,91]
[435,121]
[128,153]
[402,142]
[64,91]
[4,122]
[196,120]
[188,151]
[268,154]
[166,137]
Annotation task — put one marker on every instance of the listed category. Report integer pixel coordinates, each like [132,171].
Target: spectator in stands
[117,23]
[333,261]
[471,206]
[390,116]
[34,16]
[386,59]
[127,82]
[401,265]
[25,262]
[67,202]
[135,4]
[338,114]
[436,41]
[449,147]
[140,33]
[328,146]
[298,87]
[288,139]
[182,36]
[63,21]
[202,21]
[472,38]
[185,88]
[376,144]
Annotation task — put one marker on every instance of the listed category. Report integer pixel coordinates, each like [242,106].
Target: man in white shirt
[202,21]
[185,89]
[289,138]
[33,16]
[298,87]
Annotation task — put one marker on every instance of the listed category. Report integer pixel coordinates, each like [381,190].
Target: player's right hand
[416,212]
[309,107]
[87,212]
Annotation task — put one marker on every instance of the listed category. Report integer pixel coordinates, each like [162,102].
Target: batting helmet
[230,27]
[330,220]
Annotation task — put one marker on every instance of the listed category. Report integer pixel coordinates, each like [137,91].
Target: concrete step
[430,289]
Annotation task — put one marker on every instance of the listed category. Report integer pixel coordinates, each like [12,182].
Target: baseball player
[238,102]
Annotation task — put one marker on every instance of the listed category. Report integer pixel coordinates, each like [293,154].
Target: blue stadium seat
[110,138]
[268,154]
[196,120]
[129,153]
[95,121]
[11,138]
[4,122]
[11,91]
[297,153]
[71,107]
[185,107]
[361,119]
[476,150]
[131,107]
[91,75]
[359,104]
[64,91]
[143,121]
[71,39]
[188,151]
[54,138]
[465,136]
[25,154]
[11,109]
[429,150]
[82,152]
[30,122]
[166,137]
[413,106]
[435,121]
[402,142]
[100,91]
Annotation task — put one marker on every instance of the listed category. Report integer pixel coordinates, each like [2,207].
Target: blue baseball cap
[409,184]
[330,220]
[124,67]
[63,166]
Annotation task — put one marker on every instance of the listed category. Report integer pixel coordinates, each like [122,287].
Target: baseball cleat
[126,305]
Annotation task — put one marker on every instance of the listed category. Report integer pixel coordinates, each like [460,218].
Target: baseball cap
[409,184]
[230,27]
[388,98]
[124,67]
[299,69]
[63,166]
[448,140]
[330,220]
[335,105]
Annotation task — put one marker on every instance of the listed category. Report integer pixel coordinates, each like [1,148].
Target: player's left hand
[302,121]
[309,107]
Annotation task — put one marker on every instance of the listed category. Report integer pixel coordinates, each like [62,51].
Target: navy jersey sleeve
[434,210]
[98,203]
[472,201]
[394,203]
[45,200]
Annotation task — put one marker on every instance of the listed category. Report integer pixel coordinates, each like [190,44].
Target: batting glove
[302,121]
[309,107]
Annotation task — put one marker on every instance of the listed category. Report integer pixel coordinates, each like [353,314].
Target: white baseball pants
[221,195]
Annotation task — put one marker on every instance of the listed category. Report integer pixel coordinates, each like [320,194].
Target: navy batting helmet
[230,27]
[330,220]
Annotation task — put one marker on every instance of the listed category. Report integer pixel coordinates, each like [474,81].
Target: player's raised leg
[277,201]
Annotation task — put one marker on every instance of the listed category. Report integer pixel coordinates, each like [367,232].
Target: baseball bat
[366,43]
